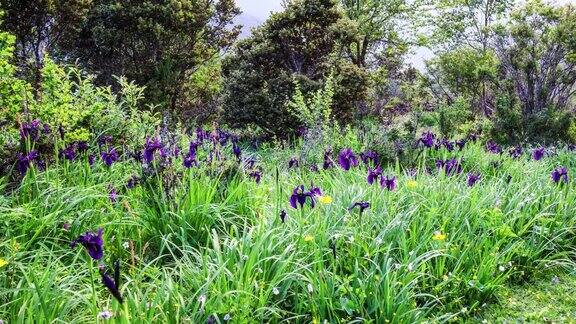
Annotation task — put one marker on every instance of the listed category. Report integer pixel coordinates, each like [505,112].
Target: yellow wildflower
[412,184]
[438,236]
[325,200]
[308,238]
[3,263]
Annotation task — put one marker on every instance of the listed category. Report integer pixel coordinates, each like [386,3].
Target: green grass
[209,241]
[550,299]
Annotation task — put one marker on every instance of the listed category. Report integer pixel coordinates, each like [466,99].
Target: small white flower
[202,301]
[126,245]
[275,291]
[310,288]
[106,314]
[256,284]
[397,266]
[471,283]
[379,241]
[464,310]
[410,253]
[351,239]
[501,268]
[410,266]
[555,280]
[227,317]
[245,257]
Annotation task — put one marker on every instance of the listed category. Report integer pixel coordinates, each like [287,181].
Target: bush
[258,76]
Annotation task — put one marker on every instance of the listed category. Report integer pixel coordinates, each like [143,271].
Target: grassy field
[215,243]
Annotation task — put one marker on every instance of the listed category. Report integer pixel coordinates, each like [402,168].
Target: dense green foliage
[305,43]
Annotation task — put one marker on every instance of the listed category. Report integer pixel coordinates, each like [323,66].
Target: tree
[460,32]
[378,26]
[305,43]
[158,44]
[538,52]
[39,26]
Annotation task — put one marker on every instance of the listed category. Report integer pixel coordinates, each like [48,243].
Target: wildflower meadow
[287,161]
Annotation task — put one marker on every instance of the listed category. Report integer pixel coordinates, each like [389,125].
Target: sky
[259,8]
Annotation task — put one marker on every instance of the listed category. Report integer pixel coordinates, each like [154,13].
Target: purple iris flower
[473,178]
[46,129]
[299,196]
[293,163]
[93,243]
[493,147]
[283,216]
[105,139]
[109,157]
[30,130]
[236,150]
[328,163]
[41,164]
[427,139]
[538,154]
[113,285]
[249,163]
[189,160]
[363,205]
[461,143]
[24,161]
[369,157]
[516,152]
[449,145]
[112,194]
[256,175]
[150,148]
[82,146]
[388,183]
[347,159]
[313,168]
[132,182]
[373,175]
[69,153]
[91,159]
[560,173]
[452,167]
[472,137]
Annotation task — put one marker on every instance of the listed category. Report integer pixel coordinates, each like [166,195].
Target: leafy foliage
[305,42]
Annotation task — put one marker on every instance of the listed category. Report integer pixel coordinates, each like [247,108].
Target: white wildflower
[106,314]
[310,288]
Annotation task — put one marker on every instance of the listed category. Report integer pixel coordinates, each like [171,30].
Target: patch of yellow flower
[308,238]
[412,184]
[3,263]
[438,236]
[325,200]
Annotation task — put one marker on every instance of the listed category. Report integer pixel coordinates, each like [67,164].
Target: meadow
[207,227]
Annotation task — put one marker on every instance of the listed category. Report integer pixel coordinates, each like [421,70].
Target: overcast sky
[259,8]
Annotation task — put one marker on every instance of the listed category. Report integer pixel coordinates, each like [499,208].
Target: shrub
[259,74]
